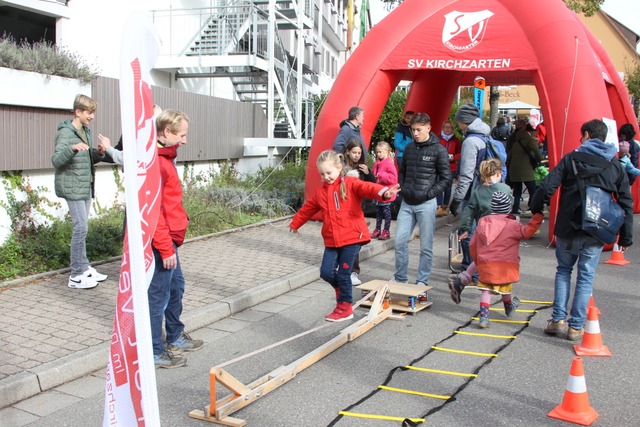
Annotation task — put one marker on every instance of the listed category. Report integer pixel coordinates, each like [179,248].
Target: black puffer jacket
[422,162]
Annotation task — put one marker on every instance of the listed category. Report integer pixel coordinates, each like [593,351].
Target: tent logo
[463,31]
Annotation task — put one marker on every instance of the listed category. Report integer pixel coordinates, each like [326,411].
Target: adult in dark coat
[573,245]
[520,167]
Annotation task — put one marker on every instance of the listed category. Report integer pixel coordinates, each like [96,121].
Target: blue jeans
[587,255]
[424,215]
[165,300]
[336,267]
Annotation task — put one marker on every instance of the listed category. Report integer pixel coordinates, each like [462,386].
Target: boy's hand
[293,230]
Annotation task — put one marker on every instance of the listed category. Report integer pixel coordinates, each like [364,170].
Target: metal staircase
[241,40]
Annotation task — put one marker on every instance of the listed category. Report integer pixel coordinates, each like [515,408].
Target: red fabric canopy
[440,45]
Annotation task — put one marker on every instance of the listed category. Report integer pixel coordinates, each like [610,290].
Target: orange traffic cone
[591,344]
[593,304]
[617,257]
[575,404]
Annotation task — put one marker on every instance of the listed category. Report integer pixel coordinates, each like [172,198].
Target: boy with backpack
[474,151]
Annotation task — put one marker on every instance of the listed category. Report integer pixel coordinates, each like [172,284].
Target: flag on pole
[364,8]
[130,390]
[478,94]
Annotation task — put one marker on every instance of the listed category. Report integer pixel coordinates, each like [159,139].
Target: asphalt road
[519,387]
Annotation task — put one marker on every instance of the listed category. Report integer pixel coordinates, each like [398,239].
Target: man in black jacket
[425,159]
[573,245]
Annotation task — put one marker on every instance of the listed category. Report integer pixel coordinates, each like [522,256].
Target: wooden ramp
[219,411]
[404,297]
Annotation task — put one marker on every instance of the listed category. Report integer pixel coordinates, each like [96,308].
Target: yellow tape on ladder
[379,417]
[471,353]
[436,371]
[477,334]
[518,310]
[519,322]
[528,301]
[417,393]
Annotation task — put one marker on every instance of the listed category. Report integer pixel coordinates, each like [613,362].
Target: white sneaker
[355,280]
[92,273]
[82,282]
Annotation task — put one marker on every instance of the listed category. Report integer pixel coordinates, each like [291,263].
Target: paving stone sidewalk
[52,334]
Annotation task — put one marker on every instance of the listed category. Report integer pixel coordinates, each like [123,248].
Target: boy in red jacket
[167,285]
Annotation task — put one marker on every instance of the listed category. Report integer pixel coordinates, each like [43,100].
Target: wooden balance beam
[219,411]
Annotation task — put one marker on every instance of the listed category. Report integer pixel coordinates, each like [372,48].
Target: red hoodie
[173,219]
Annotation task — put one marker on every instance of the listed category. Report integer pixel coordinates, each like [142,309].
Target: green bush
[215,201]
[45,58]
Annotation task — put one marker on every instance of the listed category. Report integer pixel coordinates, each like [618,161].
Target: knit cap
[501,203]
[467,113]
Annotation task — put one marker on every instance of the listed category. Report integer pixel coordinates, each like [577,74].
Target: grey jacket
[468,158]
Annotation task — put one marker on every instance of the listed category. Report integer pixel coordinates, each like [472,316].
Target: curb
[45,377]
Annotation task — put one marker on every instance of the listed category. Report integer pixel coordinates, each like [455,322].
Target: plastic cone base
[583,418]
[575,406]
[617,258]
[592,344]
[582,350]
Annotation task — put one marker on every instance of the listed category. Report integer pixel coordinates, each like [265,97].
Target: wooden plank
[227,421]
[231,382]
[245,395]
[395,287]
[223,411]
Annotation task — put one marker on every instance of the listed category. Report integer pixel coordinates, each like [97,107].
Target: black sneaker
[455,286]
[509,309]
[168,360]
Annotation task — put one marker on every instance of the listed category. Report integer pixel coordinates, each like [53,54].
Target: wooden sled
[404,297]
[219,411]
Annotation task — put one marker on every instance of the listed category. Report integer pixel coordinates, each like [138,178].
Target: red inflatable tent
[440,45]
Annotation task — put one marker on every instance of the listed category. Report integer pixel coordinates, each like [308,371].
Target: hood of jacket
[67,124]
[489,229]
[433,139]
[598,148]
[169,152]
[347,122]
[478,126]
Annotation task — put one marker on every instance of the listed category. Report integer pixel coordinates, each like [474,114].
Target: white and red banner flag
[130,391]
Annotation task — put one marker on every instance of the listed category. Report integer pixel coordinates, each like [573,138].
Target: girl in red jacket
[495,247]
[344,229]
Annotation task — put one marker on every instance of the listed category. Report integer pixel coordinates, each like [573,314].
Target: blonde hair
[84,103]
[384,145]
[330,156]
[171,119]
[488,168]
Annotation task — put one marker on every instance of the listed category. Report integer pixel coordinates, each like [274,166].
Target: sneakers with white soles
[93,274]
[82,282]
